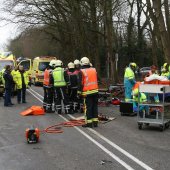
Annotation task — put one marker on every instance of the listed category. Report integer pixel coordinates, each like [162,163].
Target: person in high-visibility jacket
[60,81]
[165,71]
[48,88]
[2,72]
[129,81]
[142,99]
[89,88]
[73,86]
[21,80]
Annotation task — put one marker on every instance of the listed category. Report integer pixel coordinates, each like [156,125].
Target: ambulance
[7,58]
[38,67]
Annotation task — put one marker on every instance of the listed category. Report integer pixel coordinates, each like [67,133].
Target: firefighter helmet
[85,61]
[76,62]
[59,63]
[52,63]
[71,65]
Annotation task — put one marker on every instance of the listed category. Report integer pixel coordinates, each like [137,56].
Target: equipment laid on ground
[32,135]
[155,113]
[104,97]
[117,90]
[126,108]
[34,110]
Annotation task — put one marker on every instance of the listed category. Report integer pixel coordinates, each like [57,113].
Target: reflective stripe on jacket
[58,76]
[89,81]
[18,79]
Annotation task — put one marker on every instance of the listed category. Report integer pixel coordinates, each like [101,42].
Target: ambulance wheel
[162,128]
[140,126]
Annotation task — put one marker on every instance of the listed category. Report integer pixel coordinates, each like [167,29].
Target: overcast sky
[7,31]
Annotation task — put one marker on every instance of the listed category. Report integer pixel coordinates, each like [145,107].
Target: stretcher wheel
[162,128]
[140,126]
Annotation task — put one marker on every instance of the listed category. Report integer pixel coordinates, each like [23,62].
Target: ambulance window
[26,65]
[4,63]
[43,65]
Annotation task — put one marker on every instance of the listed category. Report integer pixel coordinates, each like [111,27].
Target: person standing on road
[80,98]
[48,88]
[89,88]
[73,86]
[129,81]
[21,80]
[60,81]
[8,83]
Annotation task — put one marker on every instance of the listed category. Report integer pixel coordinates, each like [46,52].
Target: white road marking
[142,164]
[133,158]
[94,141]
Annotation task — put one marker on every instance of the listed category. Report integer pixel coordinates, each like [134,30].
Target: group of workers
[14,78]
[132,86]
[74,87]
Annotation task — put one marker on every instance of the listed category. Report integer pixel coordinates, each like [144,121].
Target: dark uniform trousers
[91,107]
[48,98]
[61,95]
[72,92]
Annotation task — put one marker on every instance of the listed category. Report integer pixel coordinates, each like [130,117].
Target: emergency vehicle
[38,67]
[7,58]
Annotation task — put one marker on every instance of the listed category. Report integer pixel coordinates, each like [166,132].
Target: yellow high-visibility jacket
[18,79]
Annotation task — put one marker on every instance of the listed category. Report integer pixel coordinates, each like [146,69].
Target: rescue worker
[165,71]
[8,83]
[80,97]
[73,86]
[48,88]
[21,80]
[3,81]
[77,64]
[89,88]
[129,81]
[142,99]
[60,81]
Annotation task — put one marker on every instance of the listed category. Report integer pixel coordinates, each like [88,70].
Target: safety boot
[88,125]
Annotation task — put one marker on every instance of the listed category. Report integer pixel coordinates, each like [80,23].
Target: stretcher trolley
[154,113]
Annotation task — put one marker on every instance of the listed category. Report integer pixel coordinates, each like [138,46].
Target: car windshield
[4,63]
[43,65]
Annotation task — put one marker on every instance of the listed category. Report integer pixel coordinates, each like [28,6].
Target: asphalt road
[115,145]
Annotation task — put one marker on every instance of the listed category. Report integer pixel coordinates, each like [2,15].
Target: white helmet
[76,62]
[71,65]
[59,63]
[85,61]
[52,63]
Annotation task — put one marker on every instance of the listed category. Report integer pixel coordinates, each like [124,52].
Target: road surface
[116,145]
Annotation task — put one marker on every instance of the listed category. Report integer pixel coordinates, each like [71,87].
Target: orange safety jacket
[46,81]
[89,81]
